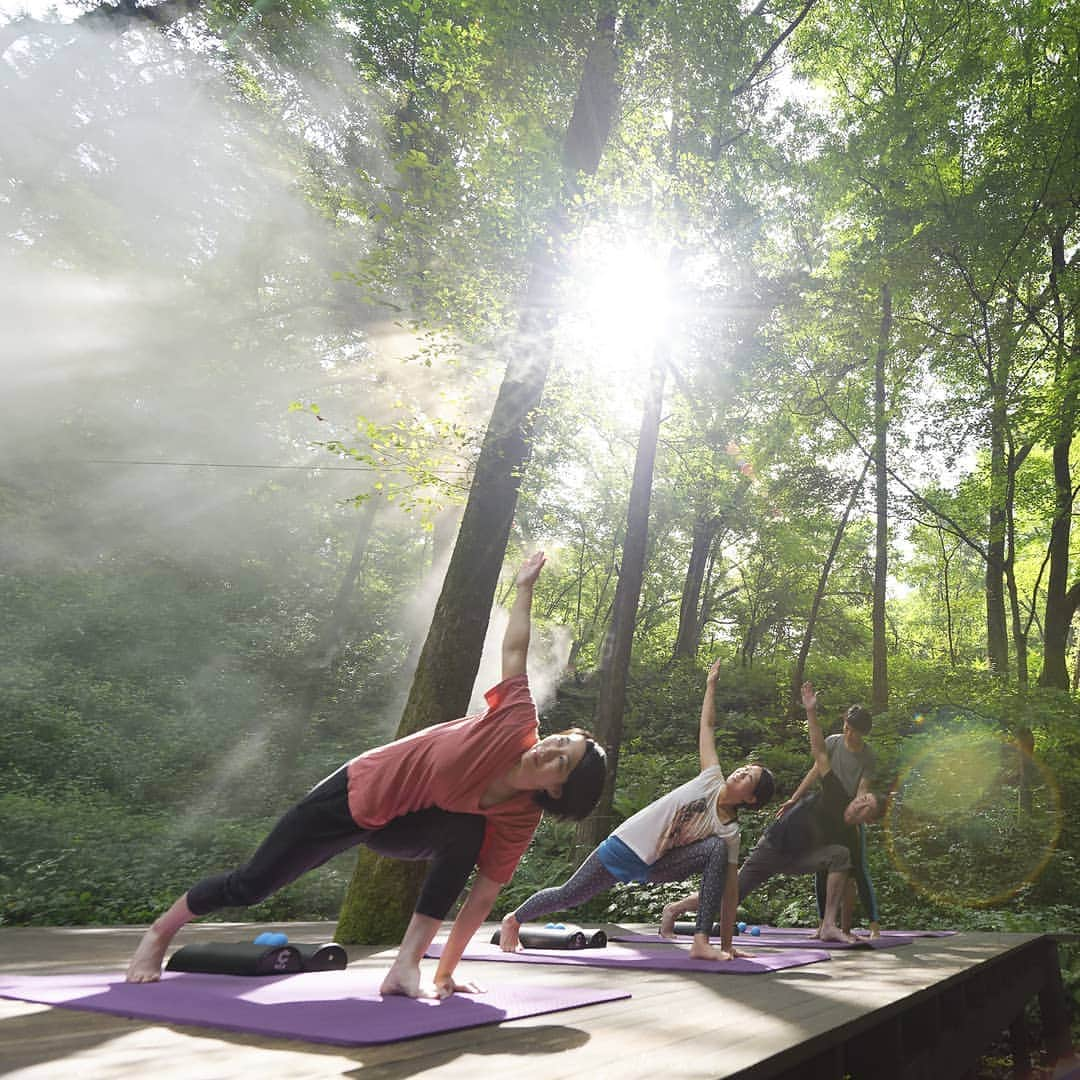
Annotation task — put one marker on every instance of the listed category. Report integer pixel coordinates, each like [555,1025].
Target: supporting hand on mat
[445,985]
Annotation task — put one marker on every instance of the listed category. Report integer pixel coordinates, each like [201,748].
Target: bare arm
[798,793]
[707,727]
[515,645]
[473,912]
[817,736]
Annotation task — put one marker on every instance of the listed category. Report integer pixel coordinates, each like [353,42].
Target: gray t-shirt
[849,767]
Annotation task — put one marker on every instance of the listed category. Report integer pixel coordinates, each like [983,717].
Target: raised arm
[817,736]
[707,727]
[515,646]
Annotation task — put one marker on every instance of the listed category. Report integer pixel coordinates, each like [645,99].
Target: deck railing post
[1053,1007]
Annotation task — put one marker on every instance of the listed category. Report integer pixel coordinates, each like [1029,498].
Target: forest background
[762,321]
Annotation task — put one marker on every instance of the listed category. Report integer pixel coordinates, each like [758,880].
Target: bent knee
[836,858]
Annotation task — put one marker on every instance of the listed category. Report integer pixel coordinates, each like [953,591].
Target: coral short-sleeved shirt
[450,766]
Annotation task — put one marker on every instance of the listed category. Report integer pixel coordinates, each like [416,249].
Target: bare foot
[405,981]
[834,933]
[145,965]
[702,950]
[508,934]
[667,921]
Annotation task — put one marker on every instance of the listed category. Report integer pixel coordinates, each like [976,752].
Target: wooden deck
[920,1011]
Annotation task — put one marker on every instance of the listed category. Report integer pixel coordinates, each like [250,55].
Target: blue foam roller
[272,939]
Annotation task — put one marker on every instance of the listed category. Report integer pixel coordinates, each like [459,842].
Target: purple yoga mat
[627,956]
[802,932]
[342,1007]
[768,940]
[805,931]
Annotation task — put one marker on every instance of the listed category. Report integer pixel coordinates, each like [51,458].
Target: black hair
[860,719]
[764,788]
[581,789]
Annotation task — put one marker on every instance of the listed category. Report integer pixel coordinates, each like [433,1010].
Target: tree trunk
[997,640]
[945,560]
[798,676]
[1013,462]
[608,721]
[879,698]
[380,897]
[706,525]
[1067,371]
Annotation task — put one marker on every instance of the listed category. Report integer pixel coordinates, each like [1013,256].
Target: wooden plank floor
[677,1025]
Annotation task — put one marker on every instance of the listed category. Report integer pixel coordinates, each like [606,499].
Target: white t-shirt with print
[681,817]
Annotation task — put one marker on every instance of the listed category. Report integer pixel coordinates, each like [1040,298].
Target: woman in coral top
[462,794]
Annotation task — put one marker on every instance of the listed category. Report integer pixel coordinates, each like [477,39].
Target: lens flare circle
[974,818]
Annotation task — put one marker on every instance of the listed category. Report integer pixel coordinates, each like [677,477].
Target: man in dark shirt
[815,834]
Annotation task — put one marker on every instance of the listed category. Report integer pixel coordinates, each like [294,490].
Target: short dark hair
[860,719]
[581,789]
[764,788]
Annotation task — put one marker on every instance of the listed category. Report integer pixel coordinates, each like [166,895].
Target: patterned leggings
[708,857]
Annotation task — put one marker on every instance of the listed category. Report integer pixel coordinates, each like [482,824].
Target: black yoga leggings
[320,827]
[708,857]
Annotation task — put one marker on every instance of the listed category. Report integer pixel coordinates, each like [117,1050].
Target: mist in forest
[167,292]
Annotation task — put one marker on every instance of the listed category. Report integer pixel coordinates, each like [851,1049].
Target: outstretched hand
[809,698]
[714,672]
[530,569]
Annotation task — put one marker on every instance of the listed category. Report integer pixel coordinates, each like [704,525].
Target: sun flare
[619,301]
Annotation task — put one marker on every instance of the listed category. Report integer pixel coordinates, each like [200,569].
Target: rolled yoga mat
[328,957]
[340,1007]
[237,958]
[689,929]
[247,958]
[557,937]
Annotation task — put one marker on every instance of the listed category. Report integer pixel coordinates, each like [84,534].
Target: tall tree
[381,895]
[880,690]
[615,666]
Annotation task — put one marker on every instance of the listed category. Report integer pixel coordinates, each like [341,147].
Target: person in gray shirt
[852,761]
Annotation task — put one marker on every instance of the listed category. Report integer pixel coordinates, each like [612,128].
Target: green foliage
[78,858]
